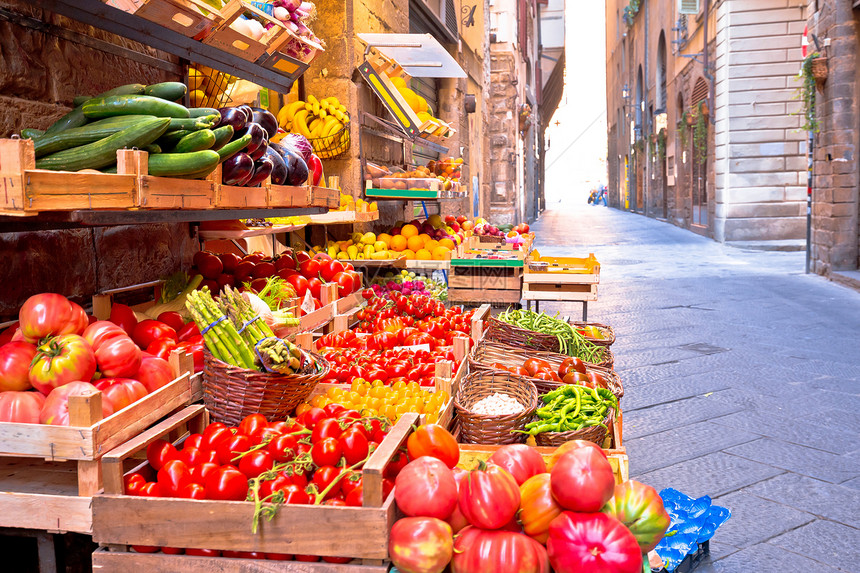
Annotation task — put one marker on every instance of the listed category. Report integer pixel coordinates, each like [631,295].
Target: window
[661,73]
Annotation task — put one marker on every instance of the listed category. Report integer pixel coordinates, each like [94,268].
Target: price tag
[414,348]
[307,305]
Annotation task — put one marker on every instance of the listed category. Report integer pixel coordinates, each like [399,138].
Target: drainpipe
[705,64]
[646,124]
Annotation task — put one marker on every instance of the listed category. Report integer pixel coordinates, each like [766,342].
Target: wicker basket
[483,429]
[523,338]
[487,353]
[819,69]
[230,393]
[334,145]
[606,330]
[594,434]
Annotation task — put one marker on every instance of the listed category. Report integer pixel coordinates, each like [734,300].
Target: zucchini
[109,169]
[202,174]
[103,152]
[201,111]
[78,136]
[223,134]
[169,140]
[81,100]
[119,119]
[178,164]
[171,91]
[74,118]
[128,89]
[98,108]
[192,123]
[30,133]
[234,147]
[197,141]
[152,148]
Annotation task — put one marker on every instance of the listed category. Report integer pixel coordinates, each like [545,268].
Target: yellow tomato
[398,385]
[389,411]
[376,383]
[432,418]
[378,392]
[302,408]
[334,393]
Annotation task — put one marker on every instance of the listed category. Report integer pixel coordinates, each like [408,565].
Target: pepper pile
[570,341]
[572,408]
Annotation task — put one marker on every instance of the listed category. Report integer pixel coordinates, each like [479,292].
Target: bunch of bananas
[321,121]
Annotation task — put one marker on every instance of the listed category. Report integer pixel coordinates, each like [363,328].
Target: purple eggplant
[297,169]
[249,113]
[258,135]
[260,151]
[237,170]
[233,117]
[280,149]
[279,170]
[266,120]
[262,169]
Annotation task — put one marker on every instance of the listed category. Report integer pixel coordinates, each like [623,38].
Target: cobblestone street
[742,382]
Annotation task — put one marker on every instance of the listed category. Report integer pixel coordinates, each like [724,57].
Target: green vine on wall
[681,126]
[630,12]
[807,94]
[700,132]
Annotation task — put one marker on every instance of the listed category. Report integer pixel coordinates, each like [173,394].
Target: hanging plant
[639,146]
[700,132]
[807,94]
[661,144]
[681,128]
[630,12]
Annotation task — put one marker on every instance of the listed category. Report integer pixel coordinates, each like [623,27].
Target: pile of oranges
[376,399]
[420,246]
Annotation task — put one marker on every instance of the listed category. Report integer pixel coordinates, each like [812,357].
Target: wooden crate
[494,285]
[473,296]
[185,17]
[165,192]
[234,197]
[51,472]
[324,197]
[559,291]
[27,190]
[105,561]
[233,42]
[357,532]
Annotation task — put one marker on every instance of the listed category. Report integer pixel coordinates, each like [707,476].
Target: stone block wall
[835,201]
[500,157]
[760,150]
[39,75]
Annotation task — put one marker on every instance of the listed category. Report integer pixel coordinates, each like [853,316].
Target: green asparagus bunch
[219,333]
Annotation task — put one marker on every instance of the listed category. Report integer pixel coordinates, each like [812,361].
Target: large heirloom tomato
[61,360]
[55,411]
[154,372]
[15,359]
[520,460]
[479,550]
[568,447]
[421,545]
[118,356]
[44,315]
[489,497]
[582,480]
[593,542]
[121,392]
[537,507]
[426,488]
[21,407]
[435,441]
[640,508]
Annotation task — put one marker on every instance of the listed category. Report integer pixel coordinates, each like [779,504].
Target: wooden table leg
[47,554]
[585,311]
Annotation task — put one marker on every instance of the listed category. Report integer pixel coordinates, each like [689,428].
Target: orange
[385,238]
[423,255]
[398,243]
[430,245]
[409,254]
[425,237]
[441,253]
[415,243]
[409,231]
[447,243]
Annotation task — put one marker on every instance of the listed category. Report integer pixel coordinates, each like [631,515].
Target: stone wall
[835,201]
[39,75]
[500,164]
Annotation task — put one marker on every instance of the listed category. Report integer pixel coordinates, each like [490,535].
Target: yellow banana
[323,113]
[293,108]
[300,123]
[282,117]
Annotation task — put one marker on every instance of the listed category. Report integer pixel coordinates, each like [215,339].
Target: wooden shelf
[344,217]
[212,234]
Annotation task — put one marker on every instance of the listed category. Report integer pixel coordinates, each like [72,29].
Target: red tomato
[279,556]
[159,453]
[154,372]
[582,480]
[44,315]
[521,461]
[195,348]
[396,465]
[640,508]
[150,489]
[173,550]
[172,319]
[162,347]
[310,268]
[426,488]
[592,542]
[283,447]
[102,331]
[60,360]
[345,283]
[9,333]
[323,477]
[355,498]
[330,268]
[173,477]
[187,332]
[118,356]
[308,558]
[15,360]
[327,428]
[310,417]
[229,261]
[144,549]
[252,425]
[420,338]
[132,483]
[148,331]
[21,407]
[315,286]
[326,452]
[355,446]
[199,473]
[203,552]
[213,435]
[285,261]
[256,463]
[489,497]
[537,507]
[232,447]
[337,559]
[570,446]
[435,441]
[382,341]
[299,283]
[121,392]
[226,484]
[55,410]
[500,551]
[123,316]
[192,456]
[421,544]
[208,264]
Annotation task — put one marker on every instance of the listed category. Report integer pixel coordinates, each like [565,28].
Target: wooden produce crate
[357,532]
[234,197]
[186,17]
[323,197]
[562,279]
[51,472]
[165,192]
[479,284]
[233,42]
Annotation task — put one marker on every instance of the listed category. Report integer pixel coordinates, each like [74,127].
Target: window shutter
[688,7]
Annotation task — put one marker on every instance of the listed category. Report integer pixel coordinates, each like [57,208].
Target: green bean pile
[570,342]
[572,408]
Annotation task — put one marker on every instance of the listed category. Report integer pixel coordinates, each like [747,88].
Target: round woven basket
[523,338]
[230,393]
[487,353]
[606,330]
[483,429]
[594,434]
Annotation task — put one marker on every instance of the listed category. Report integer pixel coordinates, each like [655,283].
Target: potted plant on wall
[808,87]
[700,131]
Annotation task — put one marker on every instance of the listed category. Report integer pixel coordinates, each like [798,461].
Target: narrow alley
[741,377]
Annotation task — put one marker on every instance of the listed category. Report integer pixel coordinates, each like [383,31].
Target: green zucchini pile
[182,142]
